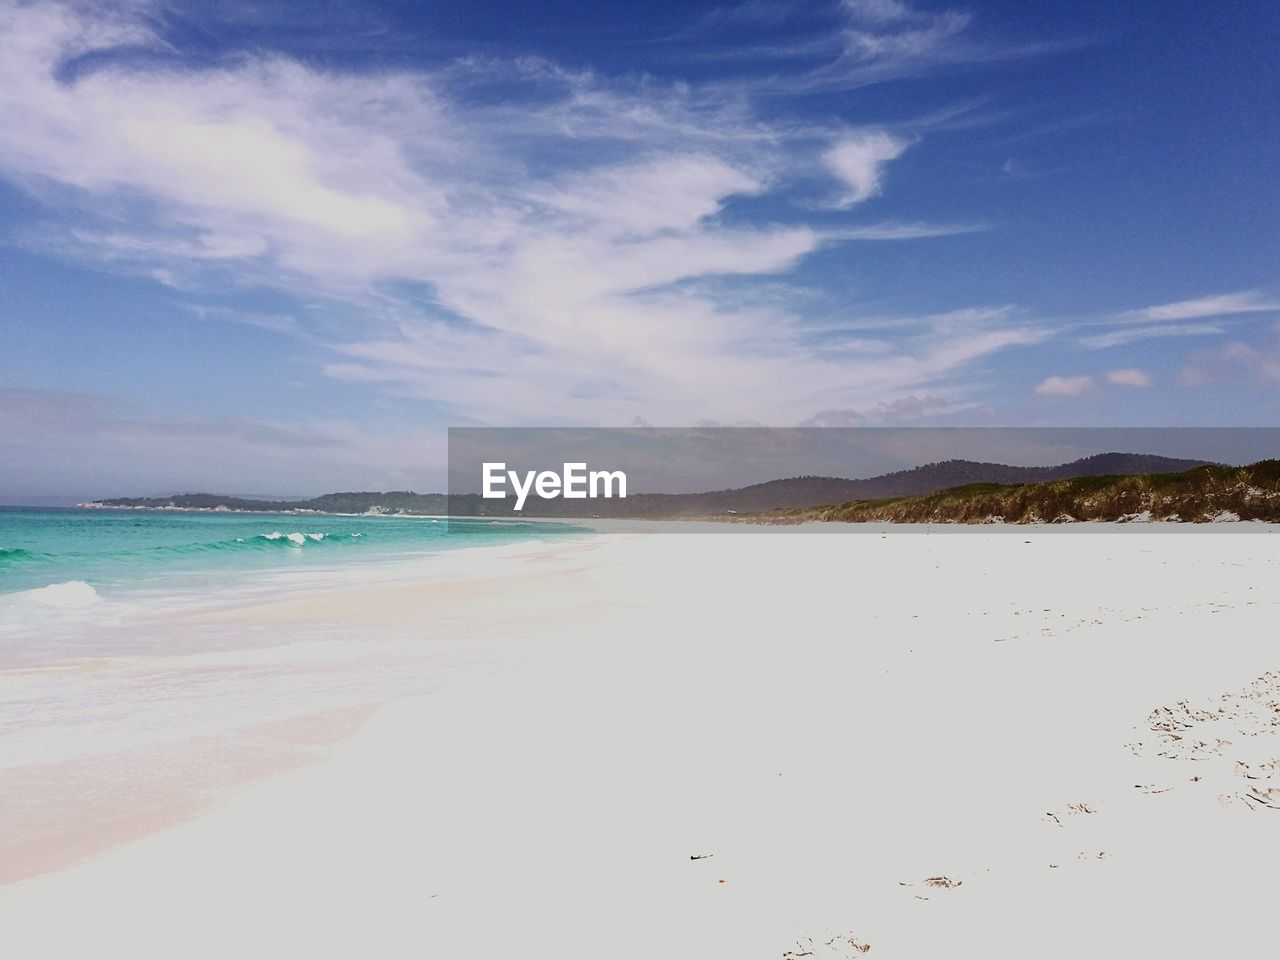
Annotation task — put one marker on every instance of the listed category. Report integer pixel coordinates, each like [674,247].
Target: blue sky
[256,251]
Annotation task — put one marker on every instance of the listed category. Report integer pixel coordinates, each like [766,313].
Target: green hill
[1196,496]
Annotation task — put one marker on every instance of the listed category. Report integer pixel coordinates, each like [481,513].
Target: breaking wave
[274,540]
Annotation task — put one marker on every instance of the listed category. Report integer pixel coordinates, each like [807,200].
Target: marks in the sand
[1257,771]
[1235,739]
[1076,810]
[842,945]
[1253,798]
[1071,810]
[704,856]
[939,882]
[1046,622]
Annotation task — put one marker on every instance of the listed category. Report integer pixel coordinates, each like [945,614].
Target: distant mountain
[790,493]
[1203,494]
[810,491]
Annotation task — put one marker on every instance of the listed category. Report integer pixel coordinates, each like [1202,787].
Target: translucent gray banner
[805,478]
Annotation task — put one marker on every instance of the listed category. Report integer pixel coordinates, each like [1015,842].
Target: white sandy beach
[757,745]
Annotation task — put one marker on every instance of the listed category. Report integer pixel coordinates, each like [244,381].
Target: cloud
[766,13]
[903,410]
[1064,386]
[1235,361]
[275,322]
[1263,365]
[879,11]
[903,231]
[858,160]
[884,40]
[666,193]
[1169,319]
[1221,305]
[1118,338]
[1193,376]
[1129,377]
[517,241]
[846,44]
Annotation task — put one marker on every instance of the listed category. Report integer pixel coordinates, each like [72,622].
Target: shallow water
[131,548]
[134,692]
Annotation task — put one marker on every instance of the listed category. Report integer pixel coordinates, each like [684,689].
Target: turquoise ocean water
[122,550]
[93,601]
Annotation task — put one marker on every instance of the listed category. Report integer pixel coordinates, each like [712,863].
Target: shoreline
[63,802]
[734,519]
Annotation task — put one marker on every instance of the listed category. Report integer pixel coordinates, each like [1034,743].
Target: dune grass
[1201,495]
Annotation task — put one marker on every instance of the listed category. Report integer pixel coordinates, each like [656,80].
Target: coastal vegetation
[1201,495]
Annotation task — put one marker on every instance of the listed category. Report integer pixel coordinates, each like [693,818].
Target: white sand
[828,720]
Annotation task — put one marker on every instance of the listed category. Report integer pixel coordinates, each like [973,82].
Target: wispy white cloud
[1117,338]
[1263,364]
[849,44]
[902,231]
[665,193]
[882,40]
[767,13]
[1170,319]
[1129,377]
[1236,361]
[1064,386]
[1220,305]
[553,288]
[275,322]
[880,11]
[909,409]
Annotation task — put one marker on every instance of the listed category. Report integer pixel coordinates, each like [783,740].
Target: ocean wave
[272,540]
[263,542]
[17,555]
[275,539]
[296,538]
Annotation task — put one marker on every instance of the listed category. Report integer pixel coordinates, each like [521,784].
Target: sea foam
[296,538]
[68,595]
